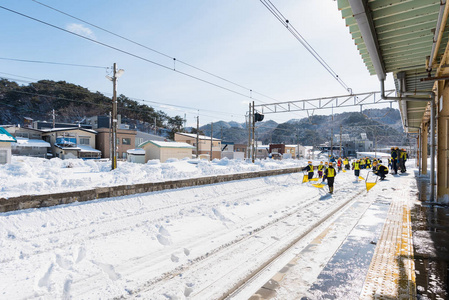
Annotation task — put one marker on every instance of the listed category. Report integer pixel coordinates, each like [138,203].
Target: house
[241,150]
[74,142]
[204,143]
[142,137]
[136,156]
[276,150]
[290,151]
[31,147]
[165,150]
[126,140]
[29,142]
[5,146]
[262,151]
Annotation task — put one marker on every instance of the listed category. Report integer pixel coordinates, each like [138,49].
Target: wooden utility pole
[197,136]
[114,119]
[249,132]
[211,139]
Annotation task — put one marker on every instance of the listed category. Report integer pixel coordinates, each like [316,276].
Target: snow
[24,142]
[32,176]
[136,151]
[169,144]
[85,148]
[189,243]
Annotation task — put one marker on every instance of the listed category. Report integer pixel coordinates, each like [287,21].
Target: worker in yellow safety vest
[329,175]
[320,169]
[380,170]
[356,168]
[346,163]
[309,169]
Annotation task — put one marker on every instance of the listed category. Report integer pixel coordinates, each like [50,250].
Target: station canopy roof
[406,36]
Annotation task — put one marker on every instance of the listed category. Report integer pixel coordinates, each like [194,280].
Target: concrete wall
[36,201]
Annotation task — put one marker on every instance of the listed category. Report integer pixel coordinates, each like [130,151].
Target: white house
[5,146]
[136,156]
[165,150]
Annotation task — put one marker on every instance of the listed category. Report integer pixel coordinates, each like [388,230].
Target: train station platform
[398,249]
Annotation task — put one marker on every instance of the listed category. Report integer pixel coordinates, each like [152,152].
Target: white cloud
[81,30]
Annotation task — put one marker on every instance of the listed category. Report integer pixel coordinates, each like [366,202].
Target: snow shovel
[319,185]
[344,171]
[305,179]
[361,178]
[369,185]
[313,179]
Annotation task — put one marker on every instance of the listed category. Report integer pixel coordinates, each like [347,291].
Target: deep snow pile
[31,176]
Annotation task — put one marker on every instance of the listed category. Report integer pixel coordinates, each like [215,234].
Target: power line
[106,105]
[284,21]
[151,49]
[131,54]
[53,63]
[162,104]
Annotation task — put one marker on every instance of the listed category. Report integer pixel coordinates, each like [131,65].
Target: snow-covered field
[189,243]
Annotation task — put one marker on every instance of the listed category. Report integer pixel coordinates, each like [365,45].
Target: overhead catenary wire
[153,50]
[53,63]
[273,9]
[133,55]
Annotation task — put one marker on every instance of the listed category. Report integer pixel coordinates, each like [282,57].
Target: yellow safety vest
[320,167]
[310,168]
[330,172]
[356,166]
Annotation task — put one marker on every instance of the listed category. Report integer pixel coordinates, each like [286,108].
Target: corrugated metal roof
[405,33]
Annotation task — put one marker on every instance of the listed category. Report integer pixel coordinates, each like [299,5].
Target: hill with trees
[73,103]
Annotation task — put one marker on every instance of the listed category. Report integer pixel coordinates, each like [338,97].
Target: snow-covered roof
[68,129]
[85,148]
[136,151]
[24,142]
[201,137]
[161,144]
[5,136]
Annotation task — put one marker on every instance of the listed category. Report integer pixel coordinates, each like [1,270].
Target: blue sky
[239,40]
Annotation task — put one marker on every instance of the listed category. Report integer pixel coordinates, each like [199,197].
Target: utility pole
[155,126]
[332,133]
[340,142]
[249,132]
[110,135]
[115,76]
[114,119]
[211,139]
[254,126]
[197,136]
[297,136]
[54,119]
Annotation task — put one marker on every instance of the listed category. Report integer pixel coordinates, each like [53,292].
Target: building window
[84,141]
[22,134]
[126,141]
[3,156]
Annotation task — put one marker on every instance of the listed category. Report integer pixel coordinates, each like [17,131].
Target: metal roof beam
[365,23]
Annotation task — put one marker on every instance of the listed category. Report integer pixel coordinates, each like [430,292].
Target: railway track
[267,244]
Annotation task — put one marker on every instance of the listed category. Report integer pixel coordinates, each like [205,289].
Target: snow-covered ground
[189,243]
[32,176]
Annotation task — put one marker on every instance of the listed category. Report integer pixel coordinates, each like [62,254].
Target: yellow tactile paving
[391,274]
